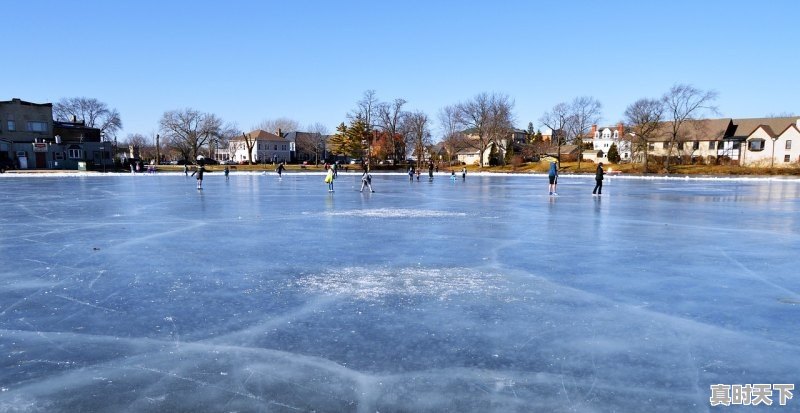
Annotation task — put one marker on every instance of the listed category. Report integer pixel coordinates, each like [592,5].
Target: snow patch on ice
[395,213]
[374,284]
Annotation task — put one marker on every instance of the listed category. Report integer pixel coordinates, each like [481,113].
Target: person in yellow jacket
[329,179]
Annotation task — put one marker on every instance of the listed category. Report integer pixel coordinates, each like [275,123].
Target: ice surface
[141,294]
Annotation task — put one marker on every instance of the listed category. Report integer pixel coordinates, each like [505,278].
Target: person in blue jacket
[552,176]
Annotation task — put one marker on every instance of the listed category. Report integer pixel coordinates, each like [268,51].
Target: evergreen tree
[357,134]
[613,153]
[493,156]
[338,142]
[509,155]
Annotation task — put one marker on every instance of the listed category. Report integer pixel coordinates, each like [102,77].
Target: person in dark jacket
[598,178]
[199,172]
[280,169]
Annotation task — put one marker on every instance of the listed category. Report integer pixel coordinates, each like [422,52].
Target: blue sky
[247,61]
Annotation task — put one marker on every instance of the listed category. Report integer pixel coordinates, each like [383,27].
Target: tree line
[378,130]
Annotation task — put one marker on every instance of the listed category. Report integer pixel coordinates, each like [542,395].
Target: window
[756,145]
[74,154]
[695,145]
[276,147]
[789,144]
[680,146]
[666,145]
[37,126]
[12,126]
[651,146]
[786,158]
[712,145]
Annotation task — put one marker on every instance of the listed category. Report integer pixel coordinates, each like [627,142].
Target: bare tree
[188,130]
[557,120]
[92,112]
[278,125]
[453,138]
[366,109]
[391,116]
[313,141]
[417,131]
[584,112]
[644,119]
[683,103]
[487,117]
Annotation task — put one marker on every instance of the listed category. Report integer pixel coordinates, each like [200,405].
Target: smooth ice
[141,294]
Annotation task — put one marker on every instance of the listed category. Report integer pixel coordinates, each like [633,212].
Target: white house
[764,147]
[601,140]
[266,147]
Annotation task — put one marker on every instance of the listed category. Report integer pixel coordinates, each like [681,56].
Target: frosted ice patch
[376,283]
[395,213]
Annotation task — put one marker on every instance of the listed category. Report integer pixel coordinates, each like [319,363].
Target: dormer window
[616,134]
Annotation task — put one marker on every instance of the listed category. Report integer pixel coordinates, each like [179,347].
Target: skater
[280,169]
[329,179]
[366,180]
[464,174]
[417,175]
[430,171]
[227,171]
[186,169]
[452,175]
[552,176]
[199,171]
[411,173]
[335,169]
[598,178]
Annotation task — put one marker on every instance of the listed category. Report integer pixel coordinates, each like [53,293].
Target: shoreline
[441,175]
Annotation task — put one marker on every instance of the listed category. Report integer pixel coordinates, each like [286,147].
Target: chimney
[279,133]
[620,129]
[74,119]
[594,130]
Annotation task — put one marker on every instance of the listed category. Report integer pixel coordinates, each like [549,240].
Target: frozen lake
[142,294]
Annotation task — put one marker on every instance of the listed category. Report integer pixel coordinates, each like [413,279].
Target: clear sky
[248,61]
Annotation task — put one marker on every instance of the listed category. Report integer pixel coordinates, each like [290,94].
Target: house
[567,153]
[697,140]
[768,147]
[306,146]
[722,140]
[468,151]
[265,147]
[31,139]
[600,140]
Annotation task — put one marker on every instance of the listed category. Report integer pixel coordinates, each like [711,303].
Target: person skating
[329,179]
[464,173]
[366,180]
[199,172]
[185,170]
[411,173]
[430,171]
[598,178]
[227,172]
[552,176]
[280,169]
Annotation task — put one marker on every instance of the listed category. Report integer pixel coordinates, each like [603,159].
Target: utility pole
[158,151]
